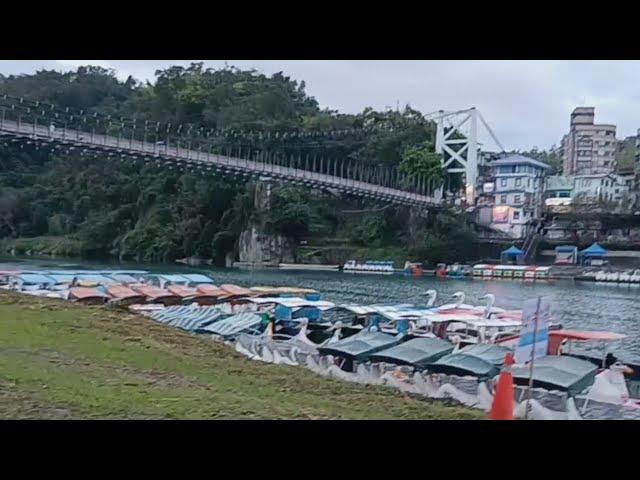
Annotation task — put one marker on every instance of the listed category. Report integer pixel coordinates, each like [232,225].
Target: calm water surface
[576,305]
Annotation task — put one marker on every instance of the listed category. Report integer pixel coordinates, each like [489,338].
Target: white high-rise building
[588,148]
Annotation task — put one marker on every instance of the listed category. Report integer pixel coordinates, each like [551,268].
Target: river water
[577,305]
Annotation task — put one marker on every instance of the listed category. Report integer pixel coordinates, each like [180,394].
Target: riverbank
[64,361]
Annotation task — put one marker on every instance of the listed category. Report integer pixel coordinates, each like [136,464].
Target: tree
[289,214]
[422,161]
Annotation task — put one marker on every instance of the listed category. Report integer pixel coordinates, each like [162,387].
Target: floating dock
[308,266]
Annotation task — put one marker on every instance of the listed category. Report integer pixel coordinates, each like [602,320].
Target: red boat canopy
[587,336]
[210,289]
[183,291]
[235,290]
[152,291]
[121,292]
[83,293]
[556,337]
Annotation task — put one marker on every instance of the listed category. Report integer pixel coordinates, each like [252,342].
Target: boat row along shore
[437,349]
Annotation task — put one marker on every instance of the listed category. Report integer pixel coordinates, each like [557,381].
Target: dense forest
[58,202]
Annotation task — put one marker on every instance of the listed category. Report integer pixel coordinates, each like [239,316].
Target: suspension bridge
[28,122]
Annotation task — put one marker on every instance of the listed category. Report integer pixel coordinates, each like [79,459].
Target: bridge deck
[197,158]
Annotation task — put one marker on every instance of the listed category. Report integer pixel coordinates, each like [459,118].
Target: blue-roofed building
[517,193]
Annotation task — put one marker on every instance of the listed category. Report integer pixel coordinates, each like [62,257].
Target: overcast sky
[526,103]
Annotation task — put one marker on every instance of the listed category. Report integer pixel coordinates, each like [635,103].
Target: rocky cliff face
[263,249]
[259,248]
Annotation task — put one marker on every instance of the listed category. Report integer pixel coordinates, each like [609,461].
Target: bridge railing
[24,121]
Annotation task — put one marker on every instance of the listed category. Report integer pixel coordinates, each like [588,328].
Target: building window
[503,182]
[516,199]
[516,215]
[503,199]
[518,181]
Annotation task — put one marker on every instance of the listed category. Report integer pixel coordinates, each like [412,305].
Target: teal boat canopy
[417,352]
[358,346]
[477,360]
[558,372]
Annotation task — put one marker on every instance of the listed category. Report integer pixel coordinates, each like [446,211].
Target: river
[578,305]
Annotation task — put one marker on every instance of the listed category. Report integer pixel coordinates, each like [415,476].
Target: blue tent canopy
[512,251]
[594,250]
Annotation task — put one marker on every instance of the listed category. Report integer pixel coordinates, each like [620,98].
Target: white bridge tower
[457,142]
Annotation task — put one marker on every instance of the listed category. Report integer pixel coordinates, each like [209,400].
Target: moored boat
[235,291]
[123,295]
[155,294]
[213,291]
[191,294]
[87,295]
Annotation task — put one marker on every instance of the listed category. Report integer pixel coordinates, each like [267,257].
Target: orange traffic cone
[502,407]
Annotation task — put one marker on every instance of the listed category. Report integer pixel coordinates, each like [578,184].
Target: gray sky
[527,103]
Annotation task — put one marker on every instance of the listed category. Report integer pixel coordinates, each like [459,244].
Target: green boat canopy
[558,372]
[417,352]
[360,345]
[477,360]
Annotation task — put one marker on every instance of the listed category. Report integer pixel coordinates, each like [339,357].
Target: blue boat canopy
[197,278]
[95,278]
[35,279]
[170,278]
[62,277]
[594,250]
[123,278]
[512,251]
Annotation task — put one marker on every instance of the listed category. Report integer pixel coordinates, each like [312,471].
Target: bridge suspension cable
[88,118]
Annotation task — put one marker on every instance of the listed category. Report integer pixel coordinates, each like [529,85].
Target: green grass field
[64,361]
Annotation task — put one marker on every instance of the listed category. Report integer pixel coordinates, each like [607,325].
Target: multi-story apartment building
[517,193]
[611,192]
[588,148]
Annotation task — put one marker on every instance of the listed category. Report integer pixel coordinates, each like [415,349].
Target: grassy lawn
[62,361]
